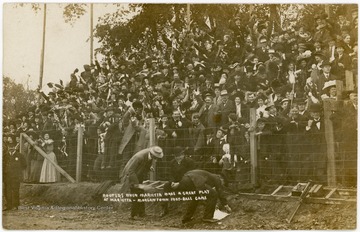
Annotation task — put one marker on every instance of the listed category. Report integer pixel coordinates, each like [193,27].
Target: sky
[66,46]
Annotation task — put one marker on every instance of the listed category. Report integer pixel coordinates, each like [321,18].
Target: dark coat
[181,130]
[130,128]
[225,110]
[207,115]
[201,180]
[322,79]
[14,164]
[338,70]
[197,135]
[178,170]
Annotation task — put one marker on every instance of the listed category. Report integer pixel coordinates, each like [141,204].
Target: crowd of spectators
[200,86]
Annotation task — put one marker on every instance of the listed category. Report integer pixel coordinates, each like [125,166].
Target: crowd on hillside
[200,87]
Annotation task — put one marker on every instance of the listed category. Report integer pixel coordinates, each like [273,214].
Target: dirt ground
[248,214]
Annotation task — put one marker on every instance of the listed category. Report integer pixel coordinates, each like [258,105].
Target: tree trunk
[274,18]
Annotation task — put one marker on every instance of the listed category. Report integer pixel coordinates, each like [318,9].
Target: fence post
[79,153]
[21,143]
[152,143]
[253,148]
[349,78]
[41,152]
[329,107]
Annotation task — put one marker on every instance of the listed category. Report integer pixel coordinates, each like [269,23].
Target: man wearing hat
[261,52]
[275,138]
[240,30]
[341,63]
[207,112]
[14,163]
[197,137]
[214,150]
[315,168]
[180,164]
[322,32]
[226,107]
[301,104]
[326,75]
[217,97]
[133,175]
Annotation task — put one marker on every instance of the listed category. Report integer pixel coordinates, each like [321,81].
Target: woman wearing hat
[49,174]
[329,90]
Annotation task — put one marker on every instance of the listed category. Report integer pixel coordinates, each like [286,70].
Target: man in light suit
[133,175]
[207,112]
[226,107]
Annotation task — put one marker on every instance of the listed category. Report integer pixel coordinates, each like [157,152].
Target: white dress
[48,171]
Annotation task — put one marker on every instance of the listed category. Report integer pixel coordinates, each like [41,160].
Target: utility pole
[91,33]
[188,16]
[42,50]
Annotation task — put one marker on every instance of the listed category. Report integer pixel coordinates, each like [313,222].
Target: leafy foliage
[74,11]
[36,7]
[15,98]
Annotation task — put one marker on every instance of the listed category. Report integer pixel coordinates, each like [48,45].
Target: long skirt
[48,171]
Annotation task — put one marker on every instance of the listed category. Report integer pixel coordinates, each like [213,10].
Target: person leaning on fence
[214,152]
[134,173]
[315,162]
[49,174]
[14,164]
[200,180]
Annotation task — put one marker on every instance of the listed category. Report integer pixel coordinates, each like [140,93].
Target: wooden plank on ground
[154,183]
[330,193]
[277,190]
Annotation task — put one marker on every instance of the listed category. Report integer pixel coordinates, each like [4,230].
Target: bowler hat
[326,62]
[300,101]
[156,151]
[315,108]
[223,129]
[179,151]
[137,104]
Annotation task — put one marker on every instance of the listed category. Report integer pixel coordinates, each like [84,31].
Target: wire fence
[286,157]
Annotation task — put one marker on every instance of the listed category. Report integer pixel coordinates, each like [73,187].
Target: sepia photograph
[179,116]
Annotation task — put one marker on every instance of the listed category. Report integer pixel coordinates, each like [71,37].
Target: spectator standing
[49,174]
[14,164]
